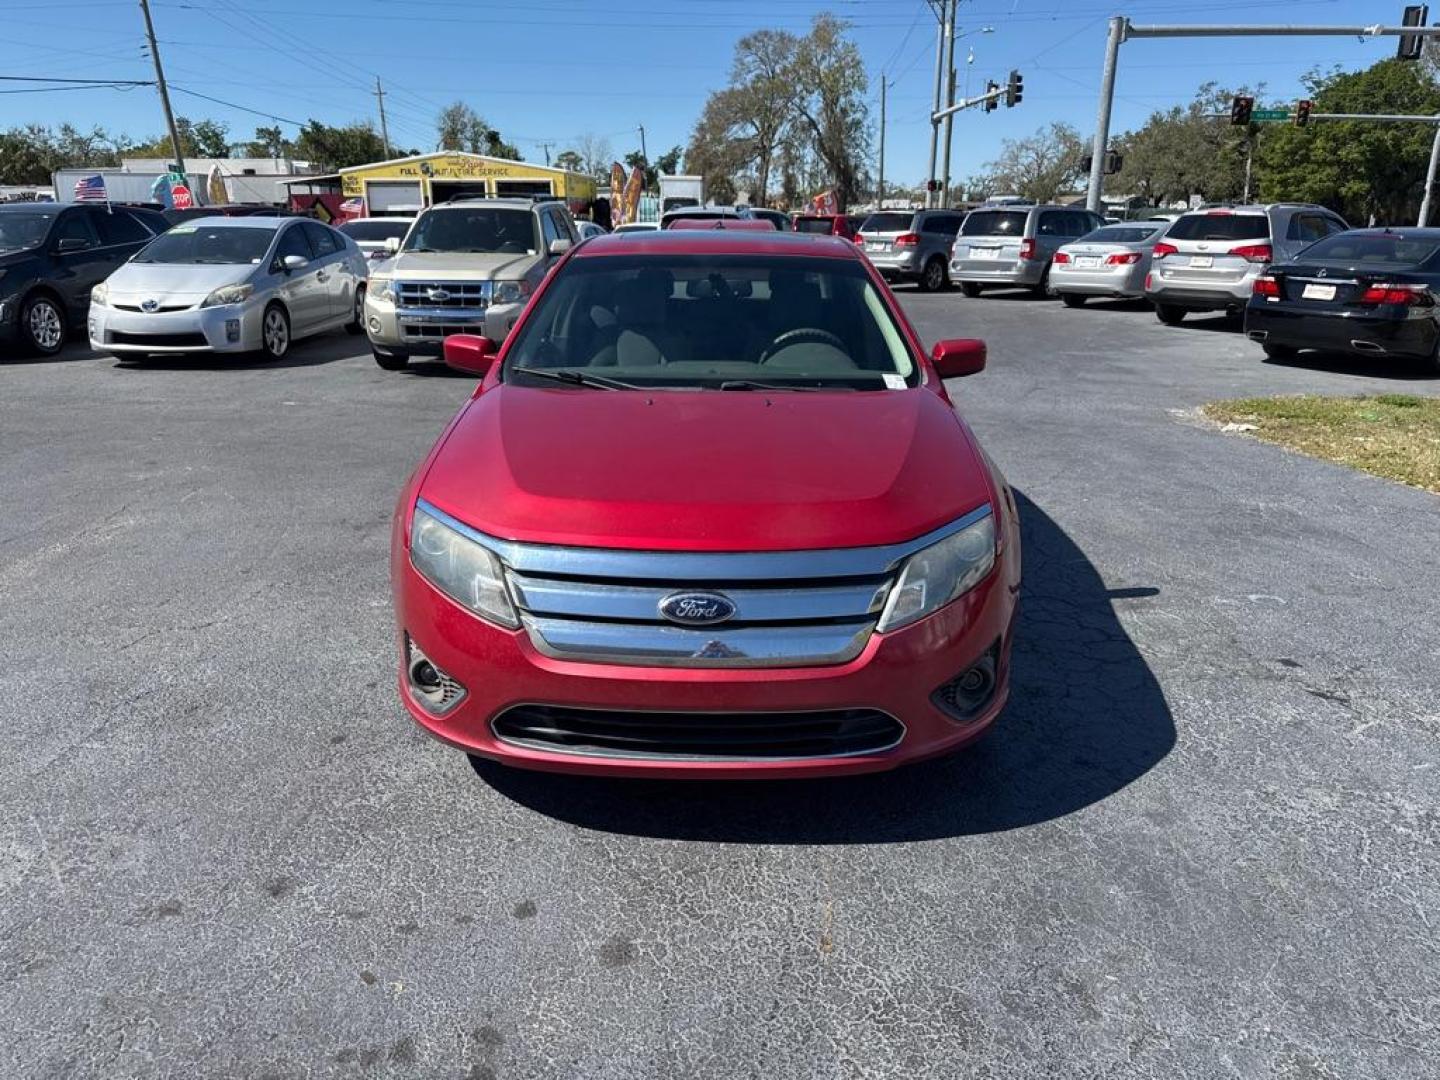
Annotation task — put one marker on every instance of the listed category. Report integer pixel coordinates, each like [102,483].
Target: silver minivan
[911,245]
[1012,246]
[1208,259]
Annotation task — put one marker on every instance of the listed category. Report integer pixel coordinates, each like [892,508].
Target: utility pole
[384,130]
[1430,180]
[942,34]
[164,93]
[880,187]
[943,195]
[546,147]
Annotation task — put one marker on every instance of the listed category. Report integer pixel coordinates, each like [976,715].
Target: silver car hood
[174,281]
[459,265]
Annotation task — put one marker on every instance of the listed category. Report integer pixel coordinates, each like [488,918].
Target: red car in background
[843,225]
[709,513]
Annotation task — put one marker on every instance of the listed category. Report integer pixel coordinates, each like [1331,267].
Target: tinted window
[943,224]
[293,242]
[118,227]
[1306,227]
[73,226]
[376,229]
[480,229]
[23,228]
[548,229]
[322,239]
[995,223]
[1220,225]
[815,225]
[886,223]
[216,244]
[1387,248]
[1124,234]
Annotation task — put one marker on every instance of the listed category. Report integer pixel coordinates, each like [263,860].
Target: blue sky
[548,70]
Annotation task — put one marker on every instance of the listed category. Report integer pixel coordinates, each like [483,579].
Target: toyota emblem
[150,305]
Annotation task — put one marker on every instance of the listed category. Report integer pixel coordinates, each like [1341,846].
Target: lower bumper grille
[708,736]
[160,341]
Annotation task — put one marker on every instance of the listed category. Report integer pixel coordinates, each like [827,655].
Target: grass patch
[1396,436]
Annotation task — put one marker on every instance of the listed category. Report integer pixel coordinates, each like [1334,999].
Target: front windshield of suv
[732,322]
[207,244]
[20,229]
[484,230]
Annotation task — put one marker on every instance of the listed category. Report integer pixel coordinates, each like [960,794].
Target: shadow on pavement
[307,352]
[1086,718]
[1380,367]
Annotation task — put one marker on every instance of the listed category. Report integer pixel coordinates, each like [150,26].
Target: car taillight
[1061,257]
[1124,258]
[1027,249]
[1266,286]
[1393,294]
[1162,249]
[1254,252]
[908,239]
[858,238]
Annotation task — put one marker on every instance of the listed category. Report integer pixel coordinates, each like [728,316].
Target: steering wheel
[795,337]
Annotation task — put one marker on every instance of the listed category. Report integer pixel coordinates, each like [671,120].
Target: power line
[241,108]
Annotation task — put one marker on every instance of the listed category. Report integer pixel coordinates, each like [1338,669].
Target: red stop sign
[181,197]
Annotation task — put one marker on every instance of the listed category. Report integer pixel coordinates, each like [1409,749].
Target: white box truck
[681,191]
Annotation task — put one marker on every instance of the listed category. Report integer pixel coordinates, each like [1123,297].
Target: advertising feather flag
[633,187]
[617,194]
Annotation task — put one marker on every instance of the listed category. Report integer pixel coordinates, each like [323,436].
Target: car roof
[467,202]
[245,221]
[21,207]
[718,242]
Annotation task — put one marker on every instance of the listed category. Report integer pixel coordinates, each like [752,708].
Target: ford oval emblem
[697,608]
[149,305]
[438,295]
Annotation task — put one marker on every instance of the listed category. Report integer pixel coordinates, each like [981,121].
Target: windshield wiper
[751,384]
[574,378]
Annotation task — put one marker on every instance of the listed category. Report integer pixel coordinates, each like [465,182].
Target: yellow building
[413,182]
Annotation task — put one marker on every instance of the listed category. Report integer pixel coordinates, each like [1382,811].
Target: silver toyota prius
[1111,261]
[231,285]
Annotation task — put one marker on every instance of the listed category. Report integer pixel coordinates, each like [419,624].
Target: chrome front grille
[442,295]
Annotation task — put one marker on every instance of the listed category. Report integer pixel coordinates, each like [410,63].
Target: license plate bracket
[1316,291]
[1089,262]
[1202,262]
[985,253]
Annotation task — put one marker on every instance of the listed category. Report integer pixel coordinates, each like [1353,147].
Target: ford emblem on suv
[697,608]
[438,295]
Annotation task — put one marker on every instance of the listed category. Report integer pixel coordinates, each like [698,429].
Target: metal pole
[880,186]
[1430,179]
[944,192]
[941,33]
[164,93]
[1118,27]
[384,128]
[1133,31]
[1249,156]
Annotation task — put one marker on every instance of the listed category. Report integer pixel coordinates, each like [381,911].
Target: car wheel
[1280,352]
[43,323]
[1044,291]
[970,289]
[1169,314]
[357,324]
[391,363]
[1071,299]
[274,332]
[932,278]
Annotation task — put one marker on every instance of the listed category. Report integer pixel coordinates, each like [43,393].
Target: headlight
[931,578]
[228,294]
[97,294]
[461,569]
[382,289]
[511,292]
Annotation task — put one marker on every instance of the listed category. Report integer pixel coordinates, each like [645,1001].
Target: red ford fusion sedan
[709,513]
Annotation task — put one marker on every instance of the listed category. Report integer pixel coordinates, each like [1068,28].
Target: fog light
[965,697]
[375,324]
[232,330]
[432,689]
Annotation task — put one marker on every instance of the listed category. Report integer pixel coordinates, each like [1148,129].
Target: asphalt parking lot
[1202,841]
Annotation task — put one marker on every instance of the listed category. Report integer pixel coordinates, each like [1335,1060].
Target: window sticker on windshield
[894,381]
[181,230]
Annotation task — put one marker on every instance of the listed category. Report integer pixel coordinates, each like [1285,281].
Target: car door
[79,262]
[1051,231]
[303,291]
[334,271]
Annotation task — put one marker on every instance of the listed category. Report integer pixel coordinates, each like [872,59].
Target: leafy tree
[460,127]
[669,162]
[198,138]
[269,142]
[339,147]
[1186,151]
[32,154]
[1040,166]
[830,71]
[570,159]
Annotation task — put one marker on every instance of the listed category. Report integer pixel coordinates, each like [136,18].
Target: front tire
[932,278]
[1169,314]
[390,363]
[970,289]
[42,322]
[357,325]
[274,333]
[1071,299]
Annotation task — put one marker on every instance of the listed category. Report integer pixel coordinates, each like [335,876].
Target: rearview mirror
[470,353]
[72,243]
[294,262]
[955,358]
[392,245]
[559,247]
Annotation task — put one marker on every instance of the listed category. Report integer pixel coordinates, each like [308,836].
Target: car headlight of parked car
[382,289]
[98,294]
[511,292]
[934,576]
[228,294]
[461,569]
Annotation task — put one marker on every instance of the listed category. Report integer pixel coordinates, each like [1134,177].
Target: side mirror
[292,263]
[470,353]
[559,247]
[392,245]
[955,358]
[72,243]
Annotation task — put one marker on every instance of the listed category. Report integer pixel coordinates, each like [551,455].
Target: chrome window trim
[713,568]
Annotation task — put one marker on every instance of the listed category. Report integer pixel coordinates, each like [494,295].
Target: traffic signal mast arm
[993,95]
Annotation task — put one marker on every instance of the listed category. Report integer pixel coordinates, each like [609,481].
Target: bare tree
[1040,166]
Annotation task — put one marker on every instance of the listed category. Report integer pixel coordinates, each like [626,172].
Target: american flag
[353,206]
[91,189]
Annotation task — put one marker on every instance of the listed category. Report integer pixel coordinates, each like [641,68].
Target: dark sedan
[1368,292]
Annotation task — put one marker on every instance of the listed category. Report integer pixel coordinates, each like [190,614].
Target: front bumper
[1098,281]
[228,328]
[895,673]
[1017,272]
[1393,331]
[418,331]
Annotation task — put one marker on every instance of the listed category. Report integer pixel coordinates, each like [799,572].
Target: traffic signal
[1412,45]
[1113,161]
[991,104]
[1087,163]
[1014,89]
[1240,107]
[1302,112]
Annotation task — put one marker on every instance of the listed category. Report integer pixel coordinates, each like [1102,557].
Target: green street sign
[1260,116]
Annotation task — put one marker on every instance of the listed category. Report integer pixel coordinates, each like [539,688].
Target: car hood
[174,281]
[461,266]
[707,470]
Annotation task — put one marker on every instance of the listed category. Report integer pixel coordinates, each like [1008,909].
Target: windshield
[480,229]
[222,244]
[1374,249]
[376,229]
[994,223]
[817,225]
[711,322]
[1123,234]
[23,229]
[1220,225]
[887,223]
